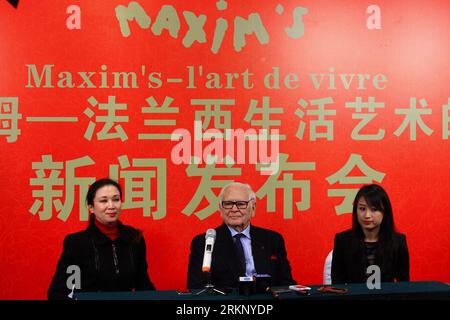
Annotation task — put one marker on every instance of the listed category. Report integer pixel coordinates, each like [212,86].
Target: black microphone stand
[209,287]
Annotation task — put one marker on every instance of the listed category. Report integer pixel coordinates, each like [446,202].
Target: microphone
[210,238]
[70,295]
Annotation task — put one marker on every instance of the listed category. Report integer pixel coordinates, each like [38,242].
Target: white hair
[246,186]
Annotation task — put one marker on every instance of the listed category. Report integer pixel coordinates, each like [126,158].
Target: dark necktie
[240,253]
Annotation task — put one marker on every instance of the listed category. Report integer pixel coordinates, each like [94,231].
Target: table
[402,290]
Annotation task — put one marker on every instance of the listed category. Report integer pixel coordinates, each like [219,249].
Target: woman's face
[369,218]
[106,205]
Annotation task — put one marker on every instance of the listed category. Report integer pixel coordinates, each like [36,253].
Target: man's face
[234,217]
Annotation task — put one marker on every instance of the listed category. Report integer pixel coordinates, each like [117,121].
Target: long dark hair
[378,199]
[136,234]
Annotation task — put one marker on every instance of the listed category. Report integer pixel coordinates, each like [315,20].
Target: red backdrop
[55,60]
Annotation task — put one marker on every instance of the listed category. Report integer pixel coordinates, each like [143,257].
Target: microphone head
[211,233]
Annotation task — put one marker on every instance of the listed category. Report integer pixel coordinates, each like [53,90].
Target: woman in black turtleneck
[110,256]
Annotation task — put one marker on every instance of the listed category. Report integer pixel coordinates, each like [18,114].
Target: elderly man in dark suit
[240,249]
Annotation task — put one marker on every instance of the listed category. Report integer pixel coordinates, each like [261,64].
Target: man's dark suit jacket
[269,255]
[349,261]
